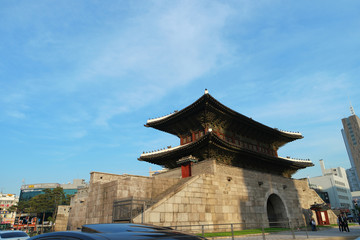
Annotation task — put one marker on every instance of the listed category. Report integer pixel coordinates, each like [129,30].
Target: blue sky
[79,79]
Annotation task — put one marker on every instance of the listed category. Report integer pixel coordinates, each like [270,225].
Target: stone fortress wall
[215,194]
[95,204]
[62,218]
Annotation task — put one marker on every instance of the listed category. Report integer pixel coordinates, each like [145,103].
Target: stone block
[194,217]
[154,217]
[218,209]
[182,217]
[185,200]
[177,199]
[160,208]
[169,217]
[176,208]
[210,201]
[169,207]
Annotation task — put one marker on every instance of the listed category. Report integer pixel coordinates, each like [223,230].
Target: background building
[351,136]
[334,182]
[6,201]
[353,179]
[31,190]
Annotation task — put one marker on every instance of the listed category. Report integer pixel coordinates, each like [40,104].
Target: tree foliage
[49,201]
[46,202]
[20,207]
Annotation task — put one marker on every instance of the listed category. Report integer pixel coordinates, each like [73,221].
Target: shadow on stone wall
[269,201]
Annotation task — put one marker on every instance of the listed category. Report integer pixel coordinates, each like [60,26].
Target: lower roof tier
[211,146]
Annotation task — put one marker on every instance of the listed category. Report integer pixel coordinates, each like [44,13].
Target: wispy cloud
[167,47]
[16,114]
[79,134]
[310,98]
[156,50]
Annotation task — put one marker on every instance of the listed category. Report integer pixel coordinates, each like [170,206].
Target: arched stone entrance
[276,211]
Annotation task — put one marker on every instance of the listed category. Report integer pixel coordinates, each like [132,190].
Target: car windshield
[13,234]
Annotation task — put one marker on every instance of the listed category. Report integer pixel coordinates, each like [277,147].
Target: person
[313,225]
[340,223]
[345,223]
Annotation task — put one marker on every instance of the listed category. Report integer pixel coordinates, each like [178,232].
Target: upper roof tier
[207,112]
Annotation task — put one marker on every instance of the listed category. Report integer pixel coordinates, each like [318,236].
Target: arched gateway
[276,211]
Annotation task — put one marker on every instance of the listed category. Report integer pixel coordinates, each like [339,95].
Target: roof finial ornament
[206,91]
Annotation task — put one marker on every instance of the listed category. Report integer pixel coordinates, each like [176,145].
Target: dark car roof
[69,235]
[118,231]
[13,234]
[122,227]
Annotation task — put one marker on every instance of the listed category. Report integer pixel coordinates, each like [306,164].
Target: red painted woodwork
[322,219]
[195,135]
[186,170]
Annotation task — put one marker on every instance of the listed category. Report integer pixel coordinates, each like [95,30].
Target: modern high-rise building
[351,135]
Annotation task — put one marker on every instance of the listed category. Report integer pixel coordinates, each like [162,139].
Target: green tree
[19,208]
[48,202]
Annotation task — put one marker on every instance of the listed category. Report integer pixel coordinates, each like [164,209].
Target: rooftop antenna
[352,109]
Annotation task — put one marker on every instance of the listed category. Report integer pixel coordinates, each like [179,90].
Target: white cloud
[168,47]
[315,95]
[130,63]
[16,114]
[79,134]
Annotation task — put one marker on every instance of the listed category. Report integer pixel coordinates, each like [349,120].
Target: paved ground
[329,233]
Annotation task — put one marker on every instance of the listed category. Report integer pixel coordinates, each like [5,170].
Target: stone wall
[216,194]
[230,195]
[307,197]
[62,218]
[96,204]
[78,208]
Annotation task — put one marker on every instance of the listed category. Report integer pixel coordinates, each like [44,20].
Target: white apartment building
[334,182]
[6,201]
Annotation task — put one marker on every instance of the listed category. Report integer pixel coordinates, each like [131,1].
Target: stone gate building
[225,170]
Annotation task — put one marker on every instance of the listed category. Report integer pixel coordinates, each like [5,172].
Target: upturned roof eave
[158,123]
[208,139]
[164,119]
